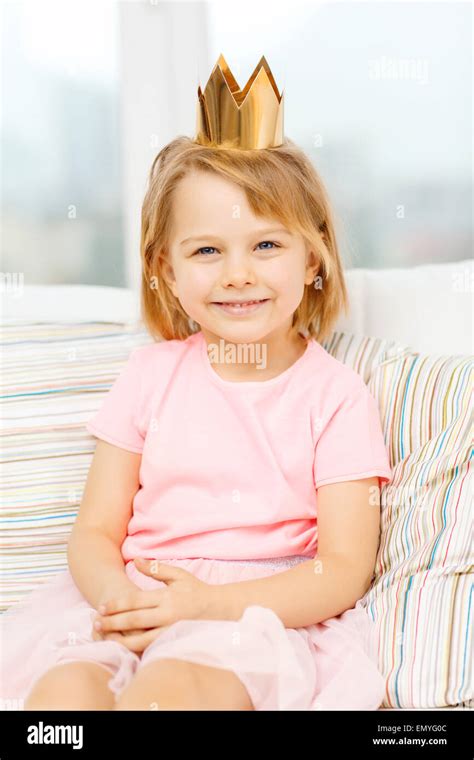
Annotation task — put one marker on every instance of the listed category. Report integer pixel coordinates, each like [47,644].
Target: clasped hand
[136,618]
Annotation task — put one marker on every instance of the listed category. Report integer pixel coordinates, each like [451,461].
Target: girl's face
[221,253]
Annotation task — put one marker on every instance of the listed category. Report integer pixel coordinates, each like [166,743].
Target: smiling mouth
[240,307]
[239,303]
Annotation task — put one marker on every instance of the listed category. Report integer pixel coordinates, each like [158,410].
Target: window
[379,95]
[61,186]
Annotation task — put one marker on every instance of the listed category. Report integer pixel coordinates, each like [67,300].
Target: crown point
[249,118]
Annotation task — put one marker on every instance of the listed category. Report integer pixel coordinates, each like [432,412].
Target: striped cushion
[423,579]
[54,377]
[361,352]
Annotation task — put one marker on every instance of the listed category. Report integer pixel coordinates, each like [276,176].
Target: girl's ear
[312,267]
[168,275]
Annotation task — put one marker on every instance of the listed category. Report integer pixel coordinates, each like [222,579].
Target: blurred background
[379,95]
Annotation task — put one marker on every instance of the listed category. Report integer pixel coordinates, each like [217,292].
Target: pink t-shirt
[229,470]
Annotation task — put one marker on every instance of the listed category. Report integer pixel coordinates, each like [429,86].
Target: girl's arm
[332,582]
[94,556]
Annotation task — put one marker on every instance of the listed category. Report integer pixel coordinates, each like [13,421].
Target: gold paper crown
[230,117]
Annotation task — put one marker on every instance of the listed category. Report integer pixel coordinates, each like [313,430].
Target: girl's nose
[238,272]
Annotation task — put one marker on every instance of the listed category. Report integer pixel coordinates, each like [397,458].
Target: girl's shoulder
[157,362]
[162,351]
[332,375]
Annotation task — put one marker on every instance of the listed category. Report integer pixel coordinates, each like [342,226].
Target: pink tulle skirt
[331,665]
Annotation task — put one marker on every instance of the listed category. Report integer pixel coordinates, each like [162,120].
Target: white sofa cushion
[428,307]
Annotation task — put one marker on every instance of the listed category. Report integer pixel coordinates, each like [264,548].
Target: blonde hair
[279,183]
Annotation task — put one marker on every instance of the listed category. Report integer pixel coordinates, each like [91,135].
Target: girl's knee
[72,686]
[173,684]
[163,684]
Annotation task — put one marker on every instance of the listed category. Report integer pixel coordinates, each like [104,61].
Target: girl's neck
[261,360]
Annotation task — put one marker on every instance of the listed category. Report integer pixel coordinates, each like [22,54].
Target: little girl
[230,520]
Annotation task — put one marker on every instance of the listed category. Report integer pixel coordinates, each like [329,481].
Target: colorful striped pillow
[54,377]
[421,593]
[362,353]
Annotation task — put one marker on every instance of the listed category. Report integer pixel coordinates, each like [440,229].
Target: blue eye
[206,248]
[211,248]
[271,243]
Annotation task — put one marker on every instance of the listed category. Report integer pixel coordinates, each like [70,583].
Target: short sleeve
[352,446]
[117,420]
